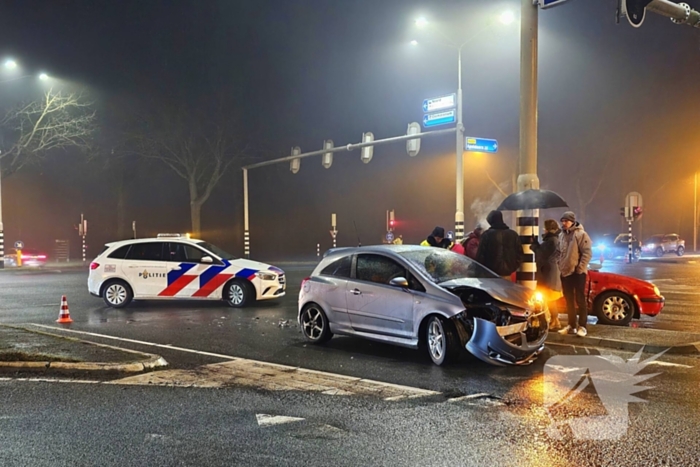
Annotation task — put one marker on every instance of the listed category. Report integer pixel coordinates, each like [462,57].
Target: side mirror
[206,260]
[399,282]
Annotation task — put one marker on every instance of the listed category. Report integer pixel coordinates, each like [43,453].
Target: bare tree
[58,121]
[199,150]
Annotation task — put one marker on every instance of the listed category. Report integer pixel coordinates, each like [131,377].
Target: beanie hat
[438,232]
[568,216]
[550,225]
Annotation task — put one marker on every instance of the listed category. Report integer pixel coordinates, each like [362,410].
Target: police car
[173,266]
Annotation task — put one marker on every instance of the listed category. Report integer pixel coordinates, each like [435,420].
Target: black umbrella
[532,199]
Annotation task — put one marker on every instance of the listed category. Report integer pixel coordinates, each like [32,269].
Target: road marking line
[469,396]
[256,373]
[270,420]
[52,380]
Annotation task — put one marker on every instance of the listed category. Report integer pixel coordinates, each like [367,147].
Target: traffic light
[392,220]
[637,212]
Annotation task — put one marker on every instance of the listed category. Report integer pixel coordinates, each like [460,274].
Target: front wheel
[659,252]
[315,325]
[239,293]
[680,251]
[442,341]
[614,308]
[117,294]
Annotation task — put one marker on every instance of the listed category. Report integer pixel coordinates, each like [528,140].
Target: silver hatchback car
[422,296]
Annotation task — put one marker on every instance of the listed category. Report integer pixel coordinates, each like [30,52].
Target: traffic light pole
[630,252]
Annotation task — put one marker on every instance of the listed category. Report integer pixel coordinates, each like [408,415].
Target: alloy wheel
[312,322]
[116,294]
[236,294]
[436,339]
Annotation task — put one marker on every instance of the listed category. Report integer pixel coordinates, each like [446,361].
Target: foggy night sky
[302,71]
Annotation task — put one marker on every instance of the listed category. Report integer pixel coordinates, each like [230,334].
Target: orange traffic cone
[64,314]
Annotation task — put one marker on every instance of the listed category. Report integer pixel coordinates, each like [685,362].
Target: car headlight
[266,276]
[649,245]
[537,301]
[657,291]
[601,247]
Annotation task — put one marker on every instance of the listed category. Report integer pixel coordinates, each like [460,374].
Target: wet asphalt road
[176,426]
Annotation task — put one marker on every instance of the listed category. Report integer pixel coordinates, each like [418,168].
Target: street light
[506,17]
[10,64]
[43,76]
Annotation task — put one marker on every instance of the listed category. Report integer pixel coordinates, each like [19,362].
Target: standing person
[500,249]
[575,254]
[548,275]
[471,243]
[437,239]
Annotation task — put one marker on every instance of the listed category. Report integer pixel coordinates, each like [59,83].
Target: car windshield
[216,250]
[443,265]
[654,239]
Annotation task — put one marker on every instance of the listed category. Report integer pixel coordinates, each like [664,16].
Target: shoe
[567,330]
[582,332]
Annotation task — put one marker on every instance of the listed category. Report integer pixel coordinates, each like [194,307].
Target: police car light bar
[173,235]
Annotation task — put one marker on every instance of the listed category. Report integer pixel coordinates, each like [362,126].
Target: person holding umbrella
[548,275]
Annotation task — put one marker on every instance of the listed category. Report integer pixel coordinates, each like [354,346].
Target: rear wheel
[680,251]
[117,294]
[659,252]
[614,307]
[239,293]
[441,340]
[314,324]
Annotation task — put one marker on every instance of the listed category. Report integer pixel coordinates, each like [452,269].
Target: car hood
[250,264]
[610,277]
[500,289]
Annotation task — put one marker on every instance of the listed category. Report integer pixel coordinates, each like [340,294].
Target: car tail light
[41,256]
[94,265]
[304,281]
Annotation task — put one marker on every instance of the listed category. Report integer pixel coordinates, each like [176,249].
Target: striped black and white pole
[318,250]
[527,227]
[630,253]
[459,228]
[84,253]
[246,232]
[2,248]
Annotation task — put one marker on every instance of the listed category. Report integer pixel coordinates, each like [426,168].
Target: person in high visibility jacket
[437,239]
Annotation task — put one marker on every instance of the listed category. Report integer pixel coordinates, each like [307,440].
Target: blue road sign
[19,244]
[439,118]
[390,236]
[440,103]
[480,144]
[544,4]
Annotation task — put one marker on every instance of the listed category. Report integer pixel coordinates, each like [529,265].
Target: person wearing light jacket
[575,252]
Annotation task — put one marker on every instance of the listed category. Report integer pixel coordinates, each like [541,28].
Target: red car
[616,299]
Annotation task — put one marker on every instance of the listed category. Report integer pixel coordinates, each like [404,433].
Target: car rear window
[146,251]
[119,253]
[339,268]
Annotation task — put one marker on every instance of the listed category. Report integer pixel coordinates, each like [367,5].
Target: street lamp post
[527,224]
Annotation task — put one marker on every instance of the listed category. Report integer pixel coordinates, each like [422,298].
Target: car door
[189,277]
[145,267]
[375,306]
[335,279]
[671,242]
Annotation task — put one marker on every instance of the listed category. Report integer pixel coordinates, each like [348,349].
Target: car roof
[132,241]
[374,249]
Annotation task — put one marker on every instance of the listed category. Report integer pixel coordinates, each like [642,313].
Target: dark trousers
[574,288]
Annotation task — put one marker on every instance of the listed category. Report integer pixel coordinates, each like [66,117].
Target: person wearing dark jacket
[437,239]
[548,275]
[500,249]
[471,243]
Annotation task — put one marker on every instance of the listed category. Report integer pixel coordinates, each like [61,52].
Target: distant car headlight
[601,247]
[266,276]
[649,245]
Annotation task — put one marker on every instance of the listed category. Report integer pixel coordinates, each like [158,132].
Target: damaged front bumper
[507,345]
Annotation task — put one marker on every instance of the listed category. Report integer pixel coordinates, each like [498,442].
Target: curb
[682,349]
[148,362]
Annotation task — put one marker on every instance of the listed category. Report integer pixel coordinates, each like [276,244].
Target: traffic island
[632,339]
[24,350]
